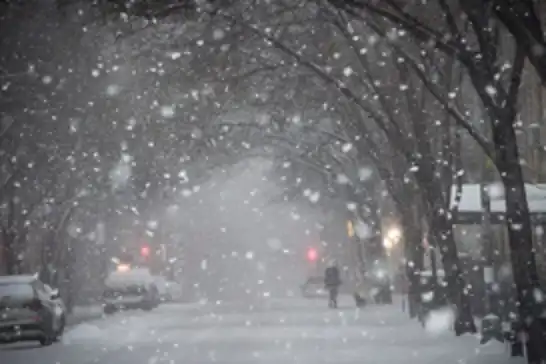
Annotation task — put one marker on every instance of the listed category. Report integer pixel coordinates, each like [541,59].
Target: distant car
[313,287]
[29,311]
[131,289]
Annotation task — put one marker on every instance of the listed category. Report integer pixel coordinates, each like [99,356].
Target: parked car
[132,289]
[29,311]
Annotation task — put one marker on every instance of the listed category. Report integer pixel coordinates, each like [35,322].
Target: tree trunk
[414,253]
[520,239]
[442,230]
[9,254]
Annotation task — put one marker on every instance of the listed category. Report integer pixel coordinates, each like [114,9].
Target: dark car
[29,311]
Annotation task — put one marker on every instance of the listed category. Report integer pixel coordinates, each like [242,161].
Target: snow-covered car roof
[133,276]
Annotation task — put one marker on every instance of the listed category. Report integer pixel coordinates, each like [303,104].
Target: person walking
[332,281]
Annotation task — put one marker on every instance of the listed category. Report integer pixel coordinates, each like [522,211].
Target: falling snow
[167,111]
[202,149]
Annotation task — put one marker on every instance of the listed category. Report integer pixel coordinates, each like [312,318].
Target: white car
[29,311]
[135,288]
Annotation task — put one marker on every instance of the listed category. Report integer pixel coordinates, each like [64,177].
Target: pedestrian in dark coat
[332,281]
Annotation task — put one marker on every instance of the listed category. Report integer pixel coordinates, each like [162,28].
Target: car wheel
[148,306]
[44,341]
[47,339]
[62,325]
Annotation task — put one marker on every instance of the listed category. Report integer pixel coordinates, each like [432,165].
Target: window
[16,291]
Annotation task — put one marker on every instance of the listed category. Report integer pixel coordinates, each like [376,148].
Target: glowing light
[145,251]
[123,268]
[312,254]
[393,236]
[350,229]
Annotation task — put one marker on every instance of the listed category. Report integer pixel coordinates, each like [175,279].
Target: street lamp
[393,236]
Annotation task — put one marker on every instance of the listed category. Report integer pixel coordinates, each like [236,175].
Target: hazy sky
[236,241]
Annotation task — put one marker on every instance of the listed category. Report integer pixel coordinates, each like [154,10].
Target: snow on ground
[85,313]
[269,331]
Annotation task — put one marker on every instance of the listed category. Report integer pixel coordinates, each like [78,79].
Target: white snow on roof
[471,198]
[134,276]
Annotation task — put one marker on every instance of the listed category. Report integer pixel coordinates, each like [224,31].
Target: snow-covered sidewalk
[290,330]
[84,313]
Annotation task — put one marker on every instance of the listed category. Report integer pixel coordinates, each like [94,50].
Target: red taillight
[312,254]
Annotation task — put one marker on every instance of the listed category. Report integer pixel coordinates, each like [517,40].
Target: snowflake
[342,179]
[314,197]
[167,111]
[491,90]
[218,34]
[113,90]
[364,173]
[196,133]
[348,71]
[295,216]
[347,147]
[175,55]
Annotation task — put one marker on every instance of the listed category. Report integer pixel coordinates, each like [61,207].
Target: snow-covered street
[289,330]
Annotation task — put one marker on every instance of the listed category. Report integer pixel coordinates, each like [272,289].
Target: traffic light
[312,254]
[145,251]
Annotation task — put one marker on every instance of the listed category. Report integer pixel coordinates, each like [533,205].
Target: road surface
[273,331]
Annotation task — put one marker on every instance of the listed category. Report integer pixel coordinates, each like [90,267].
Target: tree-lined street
[403,141]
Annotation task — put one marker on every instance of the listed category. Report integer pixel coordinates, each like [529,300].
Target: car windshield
[16,291]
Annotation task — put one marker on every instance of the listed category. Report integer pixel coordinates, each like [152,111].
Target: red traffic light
[145,251]
[312,254]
